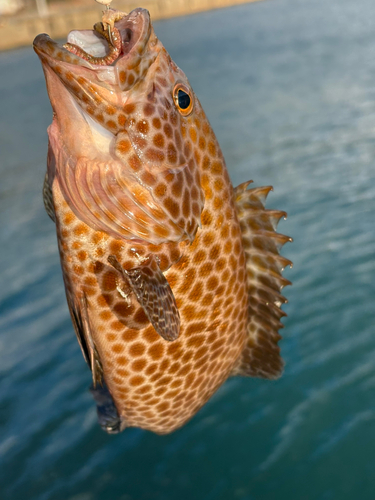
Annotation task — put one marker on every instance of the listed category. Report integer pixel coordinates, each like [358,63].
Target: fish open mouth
[119,36]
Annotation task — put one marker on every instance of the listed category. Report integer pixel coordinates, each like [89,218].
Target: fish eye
[183,99]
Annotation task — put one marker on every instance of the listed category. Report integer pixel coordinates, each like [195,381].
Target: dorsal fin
[261,355]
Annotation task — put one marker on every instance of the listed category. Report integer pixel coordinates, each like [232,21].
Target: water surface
[289,88]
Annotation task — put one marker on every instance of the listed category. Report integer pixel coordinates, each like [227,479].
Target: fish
[173,277]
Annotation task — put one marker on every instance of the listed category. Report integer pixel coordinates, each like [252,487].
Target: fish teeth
[89,42]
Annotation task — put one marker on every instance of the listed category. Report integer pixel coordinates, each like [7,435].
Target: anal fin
[154,294]
[261,354]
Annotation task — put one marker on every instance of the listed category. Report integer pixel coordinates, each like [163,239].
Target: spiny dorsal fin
[154,294]
[261,355]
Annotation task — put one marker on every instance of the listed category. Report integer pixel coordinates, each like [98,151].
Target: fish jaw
[122,118]
[101,90]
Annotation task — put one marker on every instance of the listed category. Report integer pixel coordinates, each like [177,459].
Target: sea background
[289,87]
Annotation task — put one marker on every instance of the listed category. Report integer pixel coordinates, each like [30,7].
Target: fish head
[136,112]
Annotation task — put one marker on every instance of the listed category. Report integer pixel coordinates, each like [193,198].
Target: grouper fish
[172,276]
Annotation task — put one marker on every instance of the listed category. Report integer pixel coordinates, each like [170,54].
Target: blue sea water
[289,87]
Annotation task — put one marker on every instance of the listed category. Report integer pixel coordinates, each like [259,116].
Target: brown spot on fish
[116,246]
[160,190]
[122,76]
[123,310]
[105,315]
[137,349]
[122,373]
[130,335]
[158,140]
[68,219]
[109,281]
[117,348]
[139,365]
[110,110]
[193,134]
[123,146]
[154,155]
[80,230]
[156,351]
[156,123]
[111,124]
[82,255]
[172,207]
[218,203]
[148,109]
[137,380]
[143,126]
[121,360]
[135,163]
[121,120]
[129,108]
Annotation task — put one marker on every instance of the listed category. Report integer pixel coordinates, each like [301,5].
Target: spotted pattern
[175,171]
[160,197]
[156,384]
[159,146]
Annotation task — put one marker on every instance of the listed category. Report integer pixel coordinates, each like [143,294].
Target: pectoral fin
[48,198]
[80,318]
[154,294]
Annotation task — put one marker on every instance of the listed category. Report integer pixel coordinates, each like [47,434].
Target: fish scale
[172,277]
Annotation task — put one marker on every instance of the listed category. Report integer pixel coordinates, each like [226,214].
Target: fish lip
[44,46]
[138,22]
